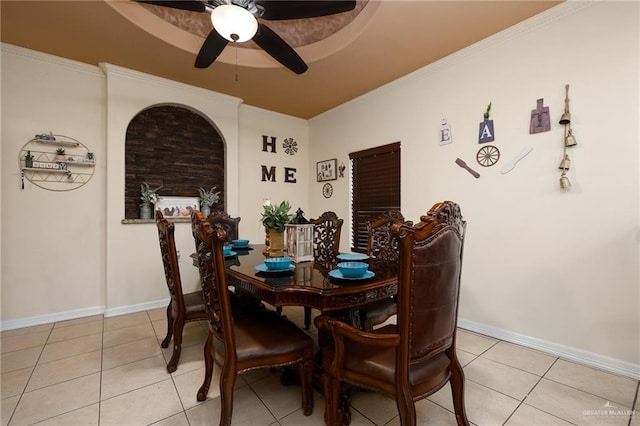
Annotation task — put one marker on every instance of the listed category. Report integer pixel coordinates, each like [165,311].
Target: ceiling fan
[236,21]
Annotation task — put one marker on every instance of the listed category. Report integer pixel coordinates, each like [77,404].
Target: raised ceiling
[348,56]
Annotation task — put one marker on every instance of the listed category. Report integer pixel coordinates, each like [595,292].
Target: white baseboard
[81,313]
[581,356]
[46,319]
[123,310]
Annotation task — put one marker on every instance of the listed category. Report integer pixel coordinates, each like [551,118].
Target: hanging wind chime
[568,141]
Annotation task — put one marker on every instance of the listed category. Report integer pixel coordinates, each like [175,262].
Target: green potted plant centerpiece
[148,196]
[208,199]
[274,218]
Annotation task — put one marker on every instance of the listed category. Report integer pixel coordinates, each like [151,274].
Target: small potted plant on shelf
[274,218]
[28,160]
[208,199]
[59,154]
[148,196]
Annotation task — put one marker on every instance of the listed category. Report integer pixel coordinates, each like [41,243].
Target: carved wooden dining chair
[415,358]
[262,340]
[221,219]
[326,237]
[182,307]
[382,245]
[326,245]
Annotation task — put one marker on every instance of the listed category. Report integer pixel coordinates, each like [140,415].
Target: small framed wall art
[326,170]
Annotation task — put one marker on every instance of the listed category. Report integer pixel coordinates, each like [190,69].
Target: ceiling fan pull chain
[236,46]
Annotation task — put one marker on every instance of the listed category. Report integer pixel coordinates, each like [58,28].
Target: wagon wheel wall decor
[488,155]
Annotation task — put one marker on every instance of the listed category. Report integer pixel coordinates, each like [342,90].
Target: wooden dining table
[309,284]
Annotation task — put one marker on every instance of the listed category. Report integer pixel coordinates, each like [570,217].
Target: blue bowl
[226,250]
[353,269]
[240,243]
[278,263]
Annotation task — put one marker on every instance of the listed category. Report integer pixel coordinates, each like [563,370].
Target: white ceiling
[386,40]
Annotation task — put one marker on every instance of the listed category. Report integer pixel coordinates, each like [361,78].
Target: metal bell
[565,163]
[564,182]
[570,140]
[565,118]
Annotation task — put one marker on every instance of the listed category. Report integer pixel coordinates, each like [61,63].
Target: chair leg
[457,389]
[227,381]
[306,381]
[307,317]
[406,408]
[208,368]
[178,326]
[165,342]
[332,415]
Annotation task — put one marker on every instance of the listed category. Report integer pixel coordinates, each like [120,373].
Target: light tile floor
[111,371]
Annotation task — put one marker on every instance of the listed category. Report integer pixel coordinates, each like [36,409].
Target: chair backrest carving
[429,281]
[382,244]
[326,237]
[210,259]
[221,219]
[169,254]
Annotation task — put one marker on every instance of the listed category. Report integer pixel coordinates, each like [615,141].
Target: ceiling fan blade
[192,5]
[275,46]
[212,47]
[275,10]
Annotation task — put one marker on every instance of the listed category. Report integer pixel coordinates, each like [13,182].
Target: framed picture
[174,207]
[326,170]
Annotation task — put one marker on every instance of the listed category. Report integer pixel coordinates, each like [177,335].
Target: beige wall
[255,123]
[53,251]
[552,269]
[133,262]
[68,254]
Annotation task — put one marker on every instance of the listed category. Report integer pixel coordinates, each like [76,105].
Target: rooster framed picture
[177,207]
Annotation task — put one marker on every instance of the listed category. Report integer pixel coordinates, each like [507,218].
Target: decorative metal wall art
[290,146]
[486,132]
[341,169]
[327,190]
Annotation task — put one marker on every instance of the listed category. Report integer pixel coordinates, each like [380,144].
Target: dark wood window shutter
[375,175]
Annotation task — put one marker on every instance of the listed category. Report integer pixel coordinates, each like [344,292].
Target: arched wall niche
[176,147]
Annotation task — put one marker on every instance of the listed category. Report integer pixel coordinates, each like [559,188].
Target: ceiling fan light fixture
[234,22]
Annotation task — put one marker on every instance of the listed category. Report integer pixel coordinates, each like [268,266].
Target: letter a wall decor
[486,133]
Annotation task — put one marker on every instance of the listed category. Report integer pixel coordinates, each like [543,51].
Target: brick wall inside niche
[174,147]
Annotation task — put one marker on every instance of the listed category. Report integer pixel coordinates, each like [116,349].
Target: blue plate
[263,268]
[338,275]
[230,254]
[352,256]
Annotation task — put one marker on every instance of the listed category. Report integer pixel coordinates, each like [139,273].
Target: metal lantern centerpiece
[299,238]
